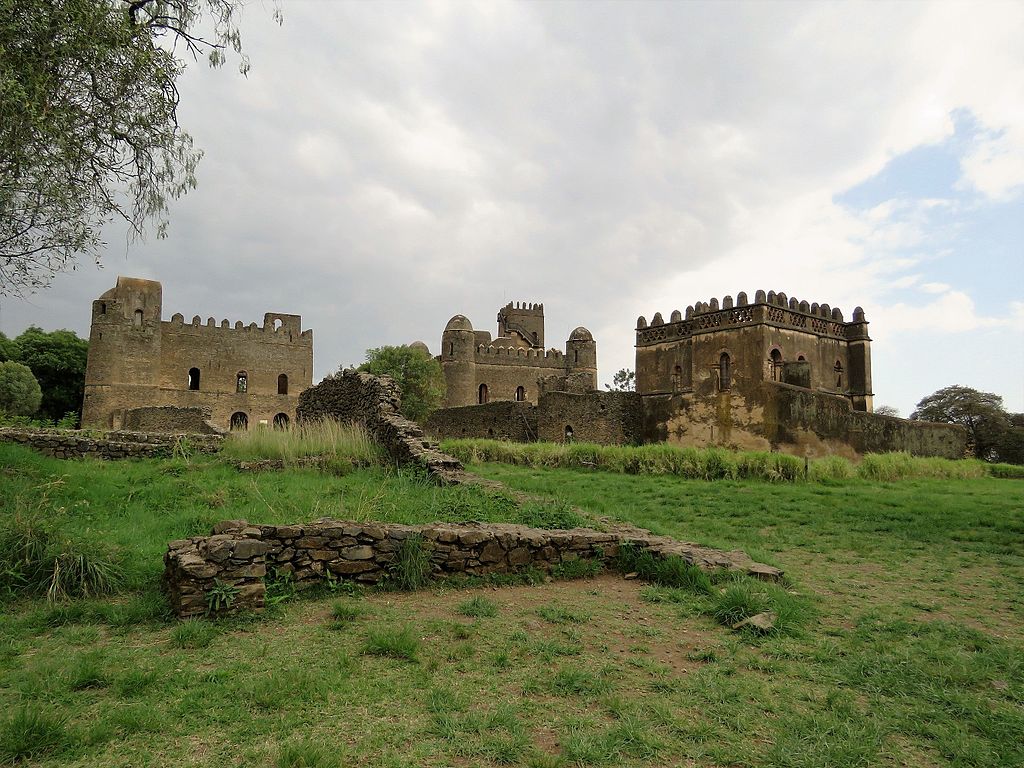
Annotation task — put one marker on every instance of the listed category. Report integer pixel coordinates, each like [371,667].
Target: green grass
[326,438]
[900,640]
[718,463]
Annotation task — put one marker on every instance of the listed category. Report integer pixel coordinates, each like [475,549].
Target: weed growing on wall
[411,569]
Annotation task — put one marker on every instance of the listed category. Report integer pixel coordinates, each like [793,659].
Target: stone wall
[608,418]
[777,416]
[239,555]
[374,402]
[77,444]
[170,419]
[500,421]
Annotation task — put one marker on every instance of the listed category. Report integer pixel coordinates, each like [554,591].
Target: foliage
[980,413]
[88,122]
[20,394]
[624,380]
[57,360]
[887,410]
[418,375]
[220,597]
[8,351]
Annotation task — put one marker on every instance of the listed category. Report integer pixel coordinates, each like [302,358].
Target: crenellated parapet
[276,327]
[501,355]
[771,308]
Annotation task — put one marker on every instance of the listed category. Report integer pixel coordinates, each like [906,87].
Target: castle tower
[526,320]
[458,351]
[124,345]
[581,353]
[860,362]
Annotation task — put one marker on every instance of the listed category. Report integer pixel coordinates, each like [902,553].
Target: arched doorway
[483,396]
[281,421]
[239,421]
[520,394]
[193,378]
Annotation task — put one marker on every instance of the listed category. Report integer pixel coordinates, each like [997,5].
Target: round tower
[581,354]
[458,361]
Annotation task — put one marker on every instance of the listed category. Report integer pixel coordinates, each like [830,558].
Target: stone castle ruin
[514,366]
[776,373]
[773,374]
[144,373]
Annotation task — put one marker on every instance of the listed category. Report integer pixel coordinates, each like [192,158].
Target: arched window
[242,382]
[193,378]
[138,317]
[239,421]
[724,372]
[281,421]
[568,433]
[483,397]
[575,356]
[451,349]
[838,370]
[677,378]
[801,359]
[282,384]
[520,394]
[776,357]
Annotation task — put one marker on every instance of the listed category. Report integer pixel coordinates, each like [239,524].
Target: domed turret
[581,334]
[421,347]
[459,323]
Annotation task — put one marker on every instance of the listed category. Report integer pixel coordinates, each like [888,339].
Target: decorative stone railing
[233,562]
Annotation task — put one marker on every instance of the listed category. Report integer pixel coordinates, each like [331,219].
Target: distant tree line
[42,375]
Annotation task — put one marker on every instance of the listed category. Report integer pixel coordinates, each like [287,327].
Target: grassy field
[912,652]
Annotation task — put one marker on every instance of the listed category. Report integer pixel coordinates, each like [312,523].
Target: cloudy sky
[387,165]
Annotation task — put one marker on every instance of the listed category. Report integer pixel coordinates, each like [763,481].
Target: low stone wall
[238,556]
[503,420]
[77,444]
[374,402]
[170,419]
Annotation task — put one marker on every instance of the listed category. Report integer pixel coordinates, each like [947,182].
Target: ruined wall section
[239,555]
[498,421]
[375,402]
[607,418]
[793,419]
[136,361]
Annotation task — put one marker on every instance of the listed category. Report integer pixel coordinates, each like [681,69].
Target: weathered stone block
[357,553]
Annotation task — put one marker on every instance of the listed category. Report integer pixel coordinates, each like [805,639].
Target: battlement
[771,308]
[525,308]
[276,327]
[500,355]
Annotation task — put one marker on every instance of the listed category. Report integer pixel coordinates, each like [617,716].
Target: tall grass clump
[325,437]
[900,466]
[30,732]
[412,568]
[666,571]
[36,559]
[1011,471]
[832,468]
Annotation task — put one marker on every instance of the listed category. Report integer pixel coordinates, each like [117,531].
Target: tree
[89,125]
[8,350]
[19,391]
[981,413]
[57,360]
[887,410]
[624,380]
[417,374]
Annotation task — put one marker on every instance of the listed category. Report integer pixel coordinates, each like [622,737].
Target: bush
[20,394]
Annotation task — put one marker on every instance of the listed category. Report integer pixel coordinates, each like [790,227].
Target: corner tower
[458,361]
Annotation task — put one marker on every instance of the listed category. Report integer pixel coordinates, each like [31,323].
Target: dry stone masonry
[237,557]
[374,402]
[120,444]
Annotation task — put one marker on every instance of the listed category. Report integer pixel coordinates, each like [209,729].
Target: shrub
[20,394]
